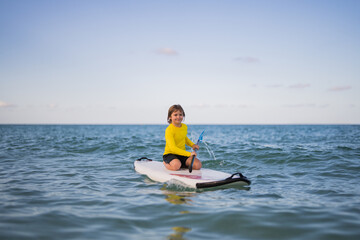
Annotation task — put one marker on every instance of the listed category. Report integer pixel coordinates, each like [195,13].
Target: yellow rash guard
[176,139]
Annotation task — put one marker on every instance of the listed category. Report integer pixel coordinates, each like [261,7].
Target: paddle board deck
[203,178]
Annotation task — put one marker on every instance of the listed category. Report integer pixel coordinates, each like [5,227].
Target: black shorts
[169,157]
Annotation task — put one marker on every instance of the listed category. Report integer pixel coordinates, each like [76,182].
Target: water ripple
[78,182]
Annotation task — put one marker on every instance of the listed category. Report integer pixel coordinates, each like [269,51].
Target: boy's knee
[174,165]
[197,165]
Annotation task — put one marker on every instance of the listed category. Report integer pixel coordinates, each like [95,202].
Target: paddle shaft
[193,157]
[192,160]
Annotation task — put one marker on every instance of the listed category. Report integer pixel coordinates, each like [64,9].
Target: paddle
[192,160]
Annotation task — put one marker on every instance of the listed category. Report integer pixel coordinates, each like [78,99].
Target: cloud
[200,105]
[339,88]
[300,105]
[219,105]
[300,85]
[225,105]
[167,52]
[274,86]
[240,105]
[297,86]
[307,105]
[324,105]
[6,105]
[52,106]
[247,59]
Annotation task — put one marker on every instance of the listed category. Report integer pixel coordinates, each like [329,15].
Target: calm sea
[78,182]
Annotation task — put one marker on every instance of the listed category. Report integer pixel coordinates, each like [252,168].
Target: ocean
[78,182]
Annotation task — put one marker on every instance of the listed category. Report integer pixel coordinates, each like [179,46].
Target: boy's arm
[189,142]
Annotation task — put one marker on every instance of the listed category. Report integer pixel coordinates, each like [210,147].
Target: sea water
[78,182]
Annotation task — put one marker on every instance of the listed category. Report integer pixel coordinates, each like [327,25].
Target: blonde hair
[173,108]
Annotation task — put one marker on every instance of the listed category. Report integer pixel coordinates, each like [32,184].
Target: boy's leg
[196,165]
[174,165]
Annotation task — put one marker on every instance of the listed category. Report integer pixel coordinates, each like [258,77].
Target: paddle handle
[192,160]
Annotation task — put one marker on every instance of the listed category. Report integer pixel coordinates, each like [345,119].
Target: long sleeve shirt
[176,138]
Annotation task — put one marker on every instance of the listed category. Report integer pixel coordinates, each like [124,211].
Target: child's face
[177,117]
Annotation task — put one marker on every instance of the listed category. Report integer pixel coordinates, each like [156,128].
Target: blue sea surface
[78,182]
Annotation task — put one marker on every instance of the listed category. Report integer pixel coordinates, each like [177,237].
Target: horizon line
[200,124]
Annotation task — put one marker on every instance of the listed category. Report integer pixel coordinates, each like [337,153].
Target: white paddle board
[203,178]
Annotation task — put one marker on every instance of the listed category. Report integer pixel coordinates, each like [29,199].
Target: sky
[225,62]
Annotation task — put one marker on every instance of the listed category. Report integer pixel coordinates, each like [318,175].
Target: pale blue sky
[225,62]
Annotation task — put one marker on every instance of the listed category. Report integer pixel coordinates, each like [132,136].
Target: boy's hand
[195,147]
[193,154]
